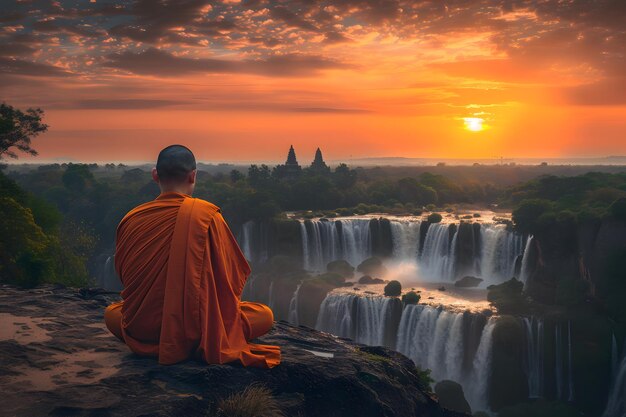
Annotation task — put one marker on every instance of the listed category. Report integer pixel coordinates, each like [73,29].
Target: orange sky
[242,81]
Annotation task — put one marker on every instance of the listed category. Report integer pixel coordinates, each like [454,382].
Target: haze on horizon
[242,80]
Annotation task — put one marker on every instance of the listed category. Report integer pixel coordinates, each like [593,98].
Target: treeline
[550,202]
[74,209]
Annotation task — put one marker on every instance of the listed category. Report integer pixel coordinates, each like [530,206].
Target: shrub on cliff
[411,297]
[393,289]
[434,218]
[254,401]
[507,297]
[618,209]
[341,267]
[372,266]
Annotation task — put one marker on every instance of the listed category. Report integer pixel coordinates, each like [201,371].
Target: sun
[474,124]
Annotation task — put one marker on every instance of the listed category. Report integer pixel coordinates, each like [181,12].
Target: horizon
[243,80]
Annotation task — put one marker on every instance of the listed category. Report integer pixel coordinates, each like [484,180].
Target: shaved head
[175,163]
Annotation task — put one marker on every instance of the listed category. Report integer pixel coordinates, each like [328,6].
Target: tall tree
[17,128]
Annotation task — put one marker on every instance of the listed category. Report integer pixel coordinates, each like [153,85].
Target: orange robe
[183,274]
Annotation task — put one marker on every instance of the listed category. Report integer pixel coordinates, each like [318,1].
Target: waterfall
[253,241]
[478,383]
[434,338]
[534,356]
[108,276]
[614,358]
[616,404]
[325,241]
[500,249]
[293,307]
[363,319]
[558,372]
[435,259]
[405,236]
[271,302]
[570,369]
[525,271]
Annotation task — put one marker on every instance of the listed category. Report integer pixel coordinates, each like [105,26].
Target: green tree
[17,128]
[22,245]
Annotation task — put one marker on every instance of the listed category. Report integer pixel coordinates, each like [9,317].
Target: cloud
[22,67]
[117,104]
[608,92]
[159,63]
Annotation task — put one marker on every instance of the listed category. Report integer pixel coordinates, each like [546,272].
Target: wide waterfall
[443,341]
[438,252]
[324,241]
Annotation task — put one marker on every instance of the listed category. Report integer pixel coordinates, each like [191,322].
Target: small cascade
[108,278]
[500,249]
[558,372]
[367,320]
[253,240]
[570,369]
[324,241]
[293,307]
[616,404]
[435,262]
[614,358]
[534,356]
[271,302]
[525,271]
[479,381]
[564,378]
[405,236]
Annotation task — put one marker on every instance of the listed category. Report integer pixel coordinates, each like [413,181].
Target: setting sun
[474,124]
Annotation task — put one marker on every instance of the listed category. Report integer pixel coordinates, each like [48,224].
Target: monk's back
[142,253]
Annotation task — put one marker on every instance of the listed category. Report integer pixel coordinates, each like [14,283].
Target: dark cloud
[608,92]
[10,17]
[22,67]
[163,64]
[15,49]
[291,18]
[124,104]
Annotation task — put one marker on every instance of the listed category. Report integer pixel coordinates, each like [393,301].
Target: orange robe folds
[183,274]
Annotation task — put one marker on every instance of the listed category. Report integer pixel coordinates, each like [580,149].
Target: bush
[372,266]
[434,218]
[507,297]
[341,267]
[254,401]
[411,297]
[393,289]
[618,209]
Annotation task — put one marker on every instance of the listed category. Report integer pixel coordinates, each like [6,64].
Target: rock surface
[468,281]
[58,359]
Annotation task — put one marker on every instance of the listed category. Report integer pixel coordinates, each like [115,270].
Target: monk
[183,274]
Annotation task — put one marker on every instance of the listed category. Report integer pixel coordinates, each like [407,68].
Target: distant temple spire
[291,157]
[318,163]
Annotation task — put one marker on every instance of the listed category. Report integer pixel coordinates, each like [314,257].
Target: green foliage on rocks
[507,297]
[434,218]
[411,297]
[393,289]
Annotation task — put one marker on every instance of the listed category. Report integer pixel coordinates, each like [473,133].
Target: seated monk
[183,274]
